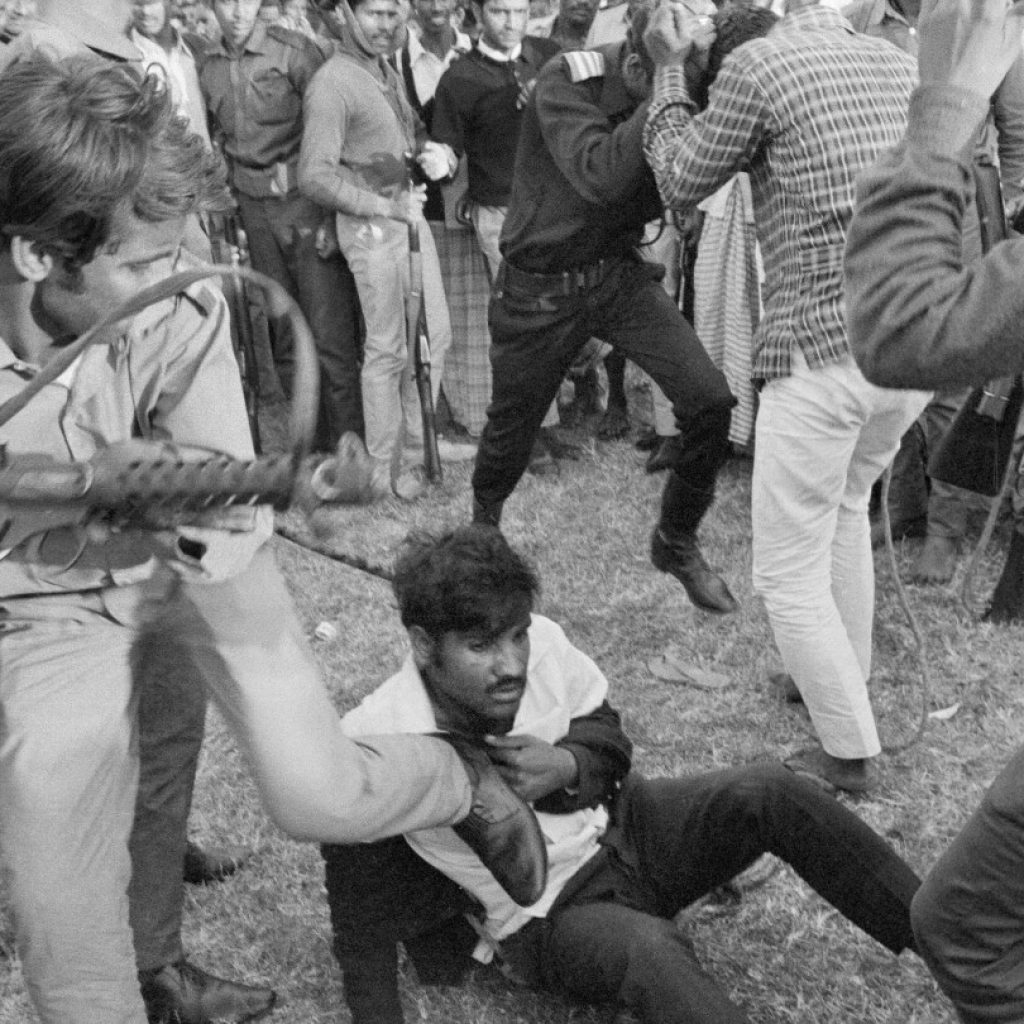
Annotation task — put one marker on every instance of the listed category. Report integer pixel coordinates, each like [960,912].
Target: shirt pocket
[272,99]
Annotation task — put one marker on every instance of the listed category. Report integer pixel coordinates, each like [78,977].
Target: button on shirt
[804,110]
[255,100]
[562,684]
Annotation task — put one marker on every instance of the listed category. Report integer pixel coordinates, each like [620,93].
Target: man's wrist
[944,119]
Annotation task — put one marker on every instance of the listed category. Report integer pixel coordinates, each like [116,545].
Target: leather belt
[568,282]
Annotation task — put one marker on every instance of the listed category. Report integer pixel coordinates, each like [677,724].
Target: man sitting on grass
[625,853]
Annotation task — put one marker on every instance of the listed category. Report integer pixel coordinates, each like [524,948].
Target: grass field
[781,952]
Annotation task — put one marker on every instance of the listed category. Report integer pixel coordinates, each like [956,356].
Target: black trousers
[282,244]
[610,935]
[536,335]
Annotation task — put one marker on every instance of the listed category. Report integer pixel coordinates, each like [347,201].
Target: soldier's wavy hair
[82,139]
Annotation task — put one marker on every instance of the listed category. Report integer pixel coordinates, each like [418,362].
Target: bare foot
[935,561]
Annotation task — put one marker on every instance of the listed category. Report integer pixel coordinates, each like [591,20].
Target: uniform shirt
[581,190]
[178,68]
[255,101]
[477,112]
[804,110]
[172,376]
[920,317]
[1003,132]
[562,684]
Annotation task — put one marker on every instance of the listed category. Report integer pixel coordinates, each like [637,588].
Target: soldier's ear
[29,260]
[422,646]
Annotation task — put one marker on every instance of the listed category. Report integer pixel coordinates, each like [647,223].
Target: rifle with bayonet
[155,485]
[230,248]
[419,341]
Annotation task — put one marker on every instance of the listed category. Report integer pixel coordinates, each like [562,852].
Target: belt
[568,282]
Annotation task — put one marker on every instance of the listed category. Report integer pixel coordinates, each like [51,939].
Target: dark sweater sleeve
[603,754]
[918,317]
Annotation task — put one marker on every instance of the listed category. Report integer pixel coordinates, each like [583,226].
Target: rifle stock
[230,248]
[419,343]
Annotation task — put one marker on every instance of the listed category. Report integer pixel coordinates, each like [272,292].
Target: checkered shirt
[804,110]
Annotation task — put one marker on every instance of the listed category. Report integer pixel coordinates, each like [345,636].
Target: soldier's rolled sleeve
[918,317]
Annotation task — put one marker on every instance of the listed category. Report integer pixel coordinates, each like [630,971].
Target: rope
[352,561]
[919,642]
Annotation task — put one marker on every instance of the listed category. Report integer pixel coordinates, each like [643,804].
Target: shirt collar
[816,15]
[417,49]
[496,55]
[256,43]
[889,10]
[10,361]
[178,46]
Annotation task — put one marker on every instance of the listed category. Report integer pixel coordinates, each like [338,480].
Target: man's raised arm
[918,317]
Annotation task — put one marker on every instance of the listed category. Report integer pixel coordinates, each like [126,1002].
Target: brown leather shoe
[501,828]
[182,993]
[681,557]
[205,867]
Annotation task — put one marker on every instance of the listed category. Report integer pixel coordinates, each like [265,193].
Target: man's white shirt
[562,684]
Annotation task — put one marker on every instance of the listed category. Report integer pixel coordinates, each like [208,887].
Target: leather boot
[680,556]
[182,993]
[501,828]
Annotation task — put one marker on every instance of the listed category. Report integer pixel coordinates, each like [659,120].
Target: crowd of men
[491,773]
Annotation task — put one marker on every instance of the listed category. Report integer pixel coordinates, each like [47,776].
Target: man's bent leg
[607,952]
[694,834]
[250,650]
[639,319]
[968,915]
[67,792]
[534,339]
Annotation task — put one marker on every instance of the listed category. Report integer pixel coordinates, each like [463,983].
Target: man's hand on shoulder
[968,44]
[532,767]
[673,33]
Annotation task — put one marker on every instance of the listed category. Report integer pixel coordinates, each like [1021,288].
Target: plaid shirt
[804,110]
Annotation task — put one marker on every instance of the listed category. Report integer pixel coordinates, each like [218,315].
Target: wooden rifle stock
[974,451]
[419,343]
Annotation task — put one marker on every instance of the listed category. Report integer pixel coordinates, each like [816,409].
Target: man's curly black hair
[459,581]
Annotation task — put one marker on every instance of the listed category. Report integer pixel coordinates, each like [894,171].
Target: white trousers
[824,436]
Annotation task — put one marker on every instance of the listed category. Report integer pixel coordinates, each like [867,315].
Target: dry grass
[782,952]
